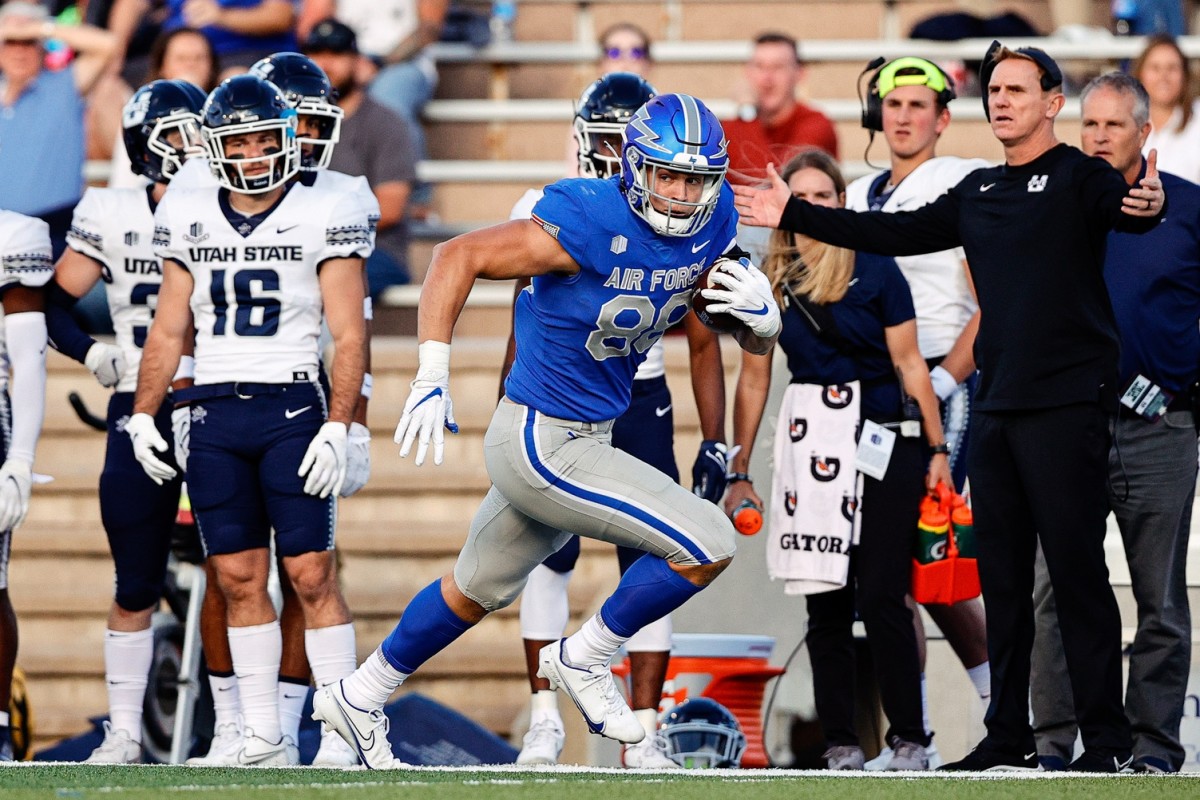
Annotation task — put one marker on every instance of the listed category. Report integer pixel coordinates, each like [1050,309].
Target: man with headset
[908,101]
[1034,231]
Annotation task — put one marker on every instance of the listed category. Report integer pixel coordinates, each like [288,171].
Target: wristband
[367,385]
[368,309]
[433,355]
[186,369]
[943,449]
[734,477]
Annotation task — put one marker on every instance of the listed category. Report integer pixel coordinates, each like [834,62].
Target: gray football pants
[552,475]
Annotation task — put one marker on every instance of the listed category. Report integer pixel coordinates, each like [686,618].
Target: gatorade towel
[814,499]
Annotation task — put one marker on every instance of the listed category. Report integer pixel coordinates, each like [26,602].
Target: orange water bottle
[747,517]
[964,528]
[932,528]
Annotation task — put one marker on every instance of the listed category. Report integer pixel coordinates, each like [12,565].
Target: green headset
[886,79]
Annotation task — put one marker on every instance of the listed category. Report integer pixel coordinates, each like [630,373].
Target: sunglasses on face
[636,53]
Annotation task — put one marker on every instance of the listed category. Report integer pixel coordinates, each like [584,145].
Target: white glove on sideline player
[428,410]
[325,461]
[181,432]
[746,297]
[107,363]
[358,459]
[147,440]
[943,382]
[16,479]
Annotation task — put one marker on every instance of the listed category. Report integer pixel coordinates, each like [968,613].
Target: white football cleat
[365,731]
[258,752]
[334,752]
[542,744]
[881,761]
[649,753]
[594,693]
[117,748]
[224,748]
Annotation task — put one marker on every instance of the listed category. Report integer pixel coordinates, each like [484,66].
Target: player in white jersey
[110,239]
[306,88]
[907,101]
[646,431]
[25,266]
[252,267]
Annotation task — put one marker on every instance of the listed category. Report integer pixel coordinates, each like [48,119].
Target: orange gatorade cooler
[732,669]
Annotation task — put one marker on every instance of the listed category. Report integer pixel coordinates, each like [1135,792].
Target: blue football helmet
[248,104]
[308,90]
[673,132]
[600,118]
[702,734]
[160,126]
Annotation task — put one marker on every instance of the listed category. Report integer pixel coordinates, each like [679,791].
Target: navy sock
[648,590]
[426,628]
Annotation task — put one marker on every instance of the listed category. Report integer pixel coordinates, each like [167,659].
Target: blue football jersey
[580,338]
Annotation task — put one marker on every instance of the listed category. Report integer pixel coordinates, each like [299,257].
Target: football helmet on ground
[703,734]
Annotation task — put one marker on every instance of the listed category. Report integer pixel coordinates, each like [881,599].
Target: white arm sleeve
[25,334]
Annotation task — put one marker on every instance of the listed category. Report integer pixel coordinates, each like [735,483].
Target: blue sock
[425,629]
[648,590]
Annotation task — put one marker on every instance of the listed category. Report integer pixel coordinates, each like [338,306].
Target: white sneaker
[594,693]
[881,761]
[365,731]
[224,748]
[258,752]
[543,744]
[649,753]
[334,752]
[117,748]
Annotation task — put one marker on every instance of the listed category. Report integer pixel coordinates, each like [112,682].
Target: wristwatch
[942,448]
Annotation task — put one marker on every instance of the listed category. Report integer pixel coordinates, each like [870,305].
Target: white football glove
[746,297]
[943,382]
[428,412]
[107,363]
[181,432]
[325,461]
[146,441]
[16,479]
[358,459]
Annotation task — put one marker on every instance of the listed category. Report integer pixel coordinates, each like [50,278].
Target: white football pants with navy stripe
[552,475]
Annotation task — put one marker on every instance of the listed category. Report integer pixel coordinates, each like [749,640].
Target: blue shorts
[246,449]
[648,435]
[138,514]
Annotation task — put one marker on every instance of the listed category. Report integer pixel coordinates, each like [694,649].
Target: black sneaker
[986,759]
[1102,761]
[1149,765]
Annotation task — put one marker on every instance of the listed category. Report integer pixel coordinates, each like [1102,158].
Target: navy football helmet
[160,126]
[308,90]
[242,105]
[674,132]
[702,734]
[603,111]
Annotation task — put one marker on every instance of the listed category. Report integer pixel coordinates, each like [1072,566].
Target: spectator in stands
[908,102]
[624,47]
[182,54]
[774,125]
[41,114]
[375,144]
[1154,283]
[1174,110]
[835,383]
[241,31]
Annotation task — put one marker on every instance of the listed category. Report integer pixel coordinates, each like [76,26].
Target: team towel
[814,496]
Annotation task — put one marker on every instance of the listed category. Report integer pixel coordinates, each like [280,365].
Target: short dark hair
[778,37]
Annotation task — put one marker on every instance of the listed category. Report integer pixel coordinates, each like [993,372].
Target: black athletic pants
[1041,473]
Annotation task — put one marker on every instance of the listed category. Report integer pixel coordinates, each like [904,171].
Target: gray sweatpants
[552,475]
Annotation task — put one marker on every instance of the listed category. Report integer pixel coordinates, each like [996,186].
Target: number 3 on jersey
[254,315]
[628,321]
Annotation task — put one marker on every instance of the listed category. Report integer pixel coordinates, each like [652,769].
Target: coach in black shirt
[1034,233]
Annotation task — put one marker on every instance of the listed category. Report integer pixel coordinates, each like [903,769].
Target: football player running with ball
[613,263]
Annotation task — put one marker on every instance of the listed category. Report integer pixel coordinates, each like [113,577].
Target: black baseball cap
[1050,76]
[331,36]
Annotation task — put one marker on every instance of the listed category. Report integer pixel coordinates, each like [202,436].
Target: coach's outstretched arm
[514,249]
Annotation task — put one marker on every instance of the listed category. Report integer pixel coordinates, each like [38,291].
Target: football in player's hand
[719,321]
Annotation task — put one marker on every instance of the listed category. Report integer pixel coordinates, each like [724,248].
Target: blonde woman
[1174,110]
[863,358]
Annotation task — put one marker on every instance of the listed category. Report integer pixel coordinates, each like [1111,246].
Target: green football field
[558,783]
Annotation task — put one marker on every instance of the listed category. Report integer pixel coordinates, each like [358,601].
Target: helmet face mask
[244,106]
[703,734]
[674,133]
[600,118]
[161,128]
[317,151]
